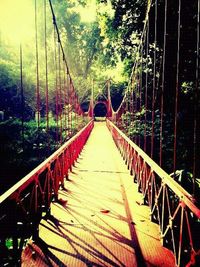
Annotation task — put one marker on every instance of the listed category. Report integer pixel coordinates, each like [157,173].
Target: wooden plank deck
[100,220]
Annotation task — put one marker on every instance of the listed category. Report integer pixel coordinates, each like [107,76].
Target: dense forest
[91,56]
[100,40]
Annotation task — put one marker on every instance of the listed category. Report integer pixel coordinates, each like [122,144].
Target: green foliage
[117,92]
[8,88]
[21,153]
[187,88]
[134,124]
[96,51]
[121,29]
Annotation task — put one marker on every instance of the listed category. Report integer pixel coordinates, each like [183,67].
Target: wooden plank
[100,220]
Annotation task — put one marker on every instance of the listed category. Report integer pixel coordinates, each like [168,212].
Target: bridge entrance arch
[100,109]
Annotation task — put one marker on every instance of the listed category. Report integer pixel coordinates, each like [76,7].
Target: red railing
[171,206]
[22,206]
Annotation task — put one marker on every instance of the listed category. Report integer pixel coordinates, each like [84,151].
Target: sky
[88,13]
[17,23]
[17,19]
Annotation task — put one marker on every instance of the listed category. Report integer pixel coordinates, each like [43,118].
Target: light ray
[17,20]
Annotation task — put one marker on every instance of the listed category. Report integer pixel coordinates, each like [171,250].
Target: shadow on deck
[99,220]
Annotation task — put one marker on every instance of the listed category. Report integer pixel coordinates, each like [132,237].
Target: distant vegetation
[99,46]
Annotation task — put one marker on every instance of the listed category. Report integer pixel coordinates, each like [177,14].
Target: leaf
[104,211]
[62,201]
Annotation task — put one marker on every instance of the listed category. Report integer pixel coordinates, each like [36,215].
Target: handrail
[172,207]
[40,168]
[26,202]
[168,180]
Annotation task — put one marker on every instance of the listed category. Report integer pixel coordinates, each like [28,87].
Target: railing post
[171,206]
[23,206]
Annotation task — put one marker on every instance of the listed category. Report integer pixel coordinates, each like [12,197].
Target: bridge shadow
[92,222]
[51,259]
[128,219]
[46,257]
[65,230]
[135,243]
[76,242]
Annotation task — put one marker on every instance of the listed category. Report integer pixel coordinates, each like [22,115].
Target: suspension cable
[137,103]
[142,36]
[136,62]
[140,90]
[92,98]
[134,84]
[126,109]
[68,106]
[146,88]
[154,81]
[131,102]
[56,85]
[71,103]
[196,98]
[71,86]
[110,107]
[46,69]
[37,69]
[22,96]
[163,83]
[177,86]
[65,99]
[58,34]
[75,117]
[60,93]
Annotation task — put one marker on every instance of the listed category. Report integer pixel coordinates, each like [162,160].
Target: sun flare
[88,13]
[17,20]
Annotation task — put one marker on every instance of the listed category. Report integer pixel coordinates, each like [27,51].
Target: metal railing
[171,206]
[22,206]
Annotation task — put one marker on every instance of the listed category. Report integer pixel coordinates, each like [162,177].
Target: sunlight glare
[106,8]
[88,13]
[116,73]
[17,20]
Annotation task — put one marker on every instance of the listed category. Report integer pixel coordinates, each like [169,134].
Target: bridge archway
[100,109]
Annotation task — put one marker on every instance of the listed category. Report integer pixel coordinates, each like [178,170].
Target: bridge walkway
[100,219]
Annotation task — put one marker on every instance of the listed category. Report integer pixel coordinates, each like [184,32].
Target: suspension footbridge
[99,218]
[104,197]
